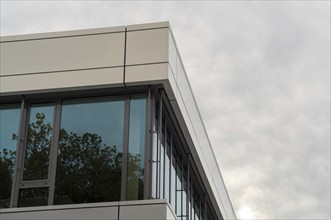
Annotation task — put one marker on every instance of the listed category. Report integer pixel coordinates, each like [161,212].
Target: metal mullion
[205,206]
[182,188]
[164,155]
[54,150]
[24,141]
[125,148]
[175,185]
[159,136]
[170,168]
[148,146]
[34,184]
[19,154]
[188,199]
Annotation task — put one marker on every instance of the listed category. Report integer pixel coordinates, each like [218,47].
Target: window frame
[57,100]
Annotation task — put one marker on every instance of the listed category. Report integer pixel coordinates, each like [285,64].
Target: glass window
[167,169]
[39,140]
[162,154]
[197,210]
[9,125]
[33,197]
[173,181]
[137,130]
[179,191]
[89,160]
[155,162]
[184,213]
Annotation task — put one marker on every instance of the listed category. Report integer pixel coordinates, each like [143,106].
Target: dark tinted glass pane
[9,124]
[179,191]
[173,182]
[33,197]
[38,142]
[89,161]
[162,154]
[135,182]
[167,171]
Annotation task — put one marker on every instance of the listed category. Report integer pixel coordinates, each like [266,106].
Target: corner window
[136,151]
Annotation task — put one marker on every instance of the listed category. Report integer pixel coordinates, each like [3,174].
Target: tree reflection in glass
[39,139]
[89,161]
[9,123]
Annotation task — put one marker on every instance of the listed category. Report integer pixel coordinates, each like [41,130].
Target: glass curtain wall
[9,126]
[136,150]
[89,159]
[72,151]
[172,172]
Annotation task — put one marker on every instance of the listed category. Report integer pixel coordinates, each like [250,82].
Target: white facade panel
[146,209]
[62,54]
[62,80]
[146,74]
[147,46]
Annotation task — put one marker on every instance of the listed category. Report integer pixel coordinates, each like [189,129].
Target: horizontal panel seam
[146,29]
[56,37]
[143,64]
[59,71]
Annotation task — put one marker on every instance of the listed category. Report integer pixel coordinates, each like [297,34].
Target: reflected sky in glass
[137,128]
[9,125]
[102,116]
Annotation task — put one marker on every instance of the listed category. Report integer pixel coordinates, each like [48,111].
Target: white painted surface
[147,46]
[21,84]
[62,54]
[146,74]
[146,209]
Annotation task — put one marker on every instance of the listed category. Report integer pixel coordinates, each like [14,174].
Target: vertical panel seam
[125,42]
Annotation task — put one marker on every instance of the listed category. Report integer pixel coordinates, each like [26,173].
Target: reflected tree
[7,159]
[87,169]
[37,150]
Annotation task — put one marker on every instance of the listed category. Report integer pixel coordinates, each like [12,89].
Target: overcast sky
[260,71]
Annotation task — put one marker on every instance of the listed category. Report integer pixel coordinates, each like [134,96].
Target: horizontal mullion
[34,184]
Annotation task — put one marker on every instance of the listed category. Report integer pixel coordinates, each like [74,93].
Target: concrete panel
[146,74]
[170,214]
[77,213]
[62,34]
[147,46]
[60,54]
[60,80]
[146,211]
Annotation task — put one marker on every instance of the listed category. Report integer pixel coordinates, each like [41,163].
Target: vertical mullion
[54,150]
[159,136]
[182,188]
[170,168]
[19,154]
[188,199]
[148,146]
[125,148]
[164,155]
[205,206]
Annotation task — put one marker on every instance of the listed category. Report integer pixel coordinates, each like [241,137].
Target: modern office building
[102,124]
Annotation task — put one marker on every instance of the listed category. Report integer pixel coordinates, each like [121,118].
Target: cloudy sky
[260,71]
